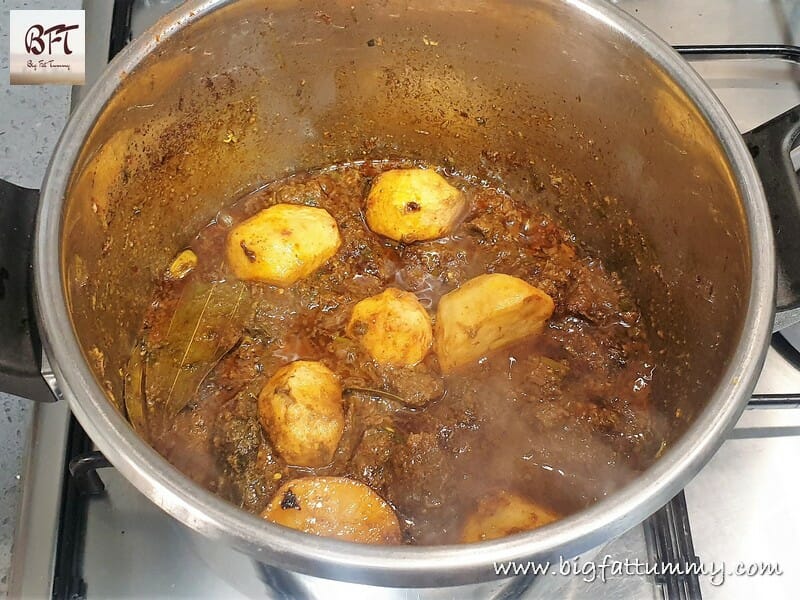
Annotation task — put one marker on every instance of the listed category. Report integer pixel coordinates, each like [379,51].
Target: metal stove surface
[741,506]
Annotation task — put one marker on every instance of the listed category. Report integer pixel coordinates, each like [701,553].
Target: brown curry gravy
[562,418]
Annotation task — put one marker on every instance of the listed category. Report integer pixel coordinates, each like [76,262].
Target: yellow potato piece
[502,514]
[409,205]
[282,244]
[486,313]
[300,408]
[334,507]
[393,327]
[183,264]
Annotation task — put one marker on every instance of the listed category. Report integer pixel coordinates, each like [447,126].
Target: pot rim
[407,566]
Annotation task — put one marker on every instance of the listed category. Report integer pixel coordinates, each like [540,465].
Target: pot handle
[20,346]
[770,145]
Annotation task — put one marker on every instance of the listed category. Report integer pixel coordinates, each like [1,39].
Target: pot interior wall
[538,97]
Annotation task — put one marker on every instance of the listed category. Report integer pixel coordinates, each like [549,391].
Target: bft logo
[37,35]
[47,46]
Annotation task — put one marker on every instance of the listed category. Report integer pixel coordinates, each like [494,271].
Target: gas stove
[82,535]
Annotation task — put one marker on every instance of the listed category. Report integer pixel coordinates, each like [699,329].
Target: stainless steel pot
[570,103]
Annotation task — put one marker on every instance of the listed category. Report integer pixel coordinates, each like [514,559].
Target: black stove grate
[68,582]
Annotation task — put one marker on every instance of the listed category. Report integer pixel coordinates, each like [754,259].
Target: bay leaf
[206,323]
[133,392]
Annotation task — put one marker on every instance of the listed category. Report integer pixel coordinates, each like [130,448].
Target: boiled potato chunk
[300,408]
[393,327]
[503,513]
[409,205]
[334,507]
[487,313]
[282,244]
